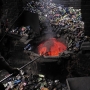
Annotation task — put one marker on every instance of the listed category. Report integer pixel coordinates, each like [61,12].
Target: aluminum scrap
[64,20]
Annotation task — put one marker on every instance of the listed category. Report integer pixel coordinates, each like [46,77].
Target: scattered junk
[35,82]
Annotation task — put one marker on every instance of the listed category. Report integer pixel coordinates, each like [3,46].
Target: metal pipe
[6,78]
[21,68]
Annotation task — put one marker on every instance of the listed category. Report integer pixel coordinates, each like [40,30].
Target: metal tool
[21,68]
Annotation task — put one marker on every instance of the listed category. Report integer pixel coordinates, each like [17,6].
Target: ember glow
[51,47]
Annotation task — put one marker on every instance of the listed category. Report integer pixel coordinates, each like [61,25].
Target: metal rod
[29,62]
[6,78]
[21,68]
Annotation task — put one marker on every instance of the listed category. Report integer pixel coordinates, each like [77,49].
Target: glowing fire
[51,47]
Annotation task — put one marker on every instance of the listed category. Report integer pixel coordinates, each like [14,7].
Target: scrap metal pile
[33,82]
[65,21]
[21,31]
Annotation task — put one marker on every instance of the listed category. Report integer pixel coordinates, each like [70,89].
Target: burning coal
[51,47]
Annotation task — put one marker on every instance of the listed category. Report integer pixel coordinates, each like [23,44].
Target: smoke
[45,13]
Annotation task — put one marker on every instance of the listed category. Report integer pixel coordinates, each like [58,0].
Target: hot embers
[51,47]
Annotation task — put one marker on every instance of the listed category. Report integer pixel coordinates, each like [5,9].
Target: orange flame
[43,50]
[51,47]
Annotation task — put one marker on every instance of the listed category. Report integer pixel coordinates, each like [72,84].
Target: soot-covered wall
[10,9]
